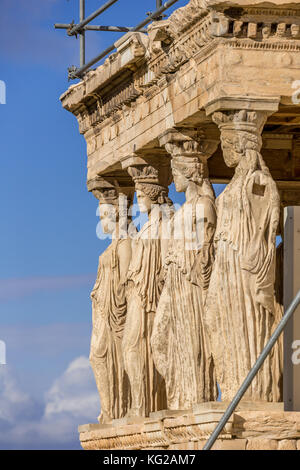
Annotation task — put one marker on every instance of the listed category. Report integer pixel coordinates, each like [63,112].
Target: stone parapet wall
[260,427]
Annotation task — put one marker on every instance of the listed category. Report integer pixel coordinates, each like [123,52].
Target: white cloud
[61,397]
[14,403]
[72,400]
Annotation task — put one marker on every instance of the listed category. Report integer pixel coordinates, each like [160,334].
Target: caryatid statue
[109,305]
[145,283]
[181,350]
[240,303]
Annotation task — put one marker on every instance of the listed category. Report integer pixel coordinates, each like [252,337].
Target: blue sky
[49,248]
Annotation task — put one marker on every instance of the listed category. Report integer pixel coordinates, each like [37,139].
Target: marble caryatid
[109,308]
[240,304]
[145,283]
[181,350]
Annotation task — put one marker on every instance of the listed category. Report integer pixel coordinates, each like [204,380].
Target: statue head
[240,132]
[114,204]
[151,184]
[144,201]
[266,31]
[181,181]
[190,151]
[186,170]
[108,209]
[295,31]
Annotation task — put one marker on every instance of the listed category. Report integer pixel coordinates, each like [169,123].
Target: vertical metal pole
[158,4]
[82,34]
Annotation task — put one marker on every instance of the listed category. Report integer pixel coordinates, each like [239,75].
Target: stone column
[240,308]
[151,177]
[291,287]
[109,301]
[180,344]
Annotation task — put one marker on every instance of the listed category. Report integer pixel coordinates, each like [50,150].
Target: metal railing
[83,26]
[243,389]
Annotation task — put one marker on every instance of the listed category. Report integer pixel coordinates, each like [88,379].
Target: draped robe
[239,312]
[109,314]
[179,341]
[145,283]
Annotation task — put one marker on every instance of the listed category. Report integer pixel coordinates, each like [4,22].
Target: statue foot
[104,418]
[136,412]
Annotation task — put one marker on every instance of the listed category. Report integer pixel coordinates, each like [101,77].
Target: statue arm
[260,221]
[210,223]
[275,215]
[201,269]
[164,250]
[264,261]
[97,282]
[124,256]
[165,234]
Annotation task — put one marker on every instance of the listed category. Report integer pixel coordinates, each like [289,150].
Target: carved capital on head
[151,180]
[150,174]
[105,190]
[241,120]
[108,190]
[188,143]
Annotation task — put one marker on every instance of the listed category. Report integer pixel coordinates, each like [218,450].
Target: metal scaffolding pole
[78,27]
[159,5]
[82,34]
[78,73]
[157,13]
[115,29]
